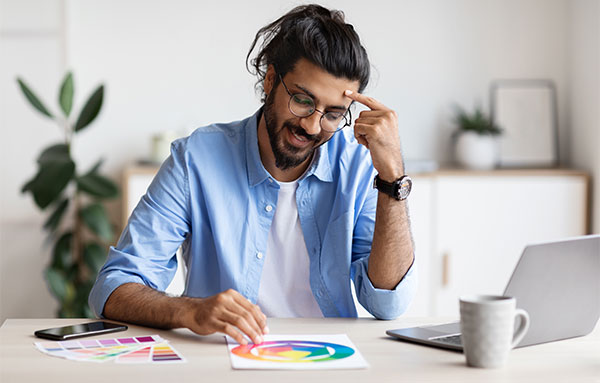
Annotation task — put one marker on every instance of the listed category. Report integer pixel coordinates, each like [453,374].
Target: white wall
[178,64]
[31,45]
[175,65]
[584,94]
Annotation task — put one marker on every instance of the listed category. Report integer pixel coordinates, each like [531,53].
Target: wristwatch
[399,189]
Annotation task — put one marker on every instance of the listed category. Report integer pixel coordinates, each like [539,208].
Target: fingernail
[244,341]
[266,330]
[258,340]
[348,92]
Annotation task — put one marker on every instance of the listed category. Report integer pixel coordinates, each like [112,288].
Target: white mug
[487,328]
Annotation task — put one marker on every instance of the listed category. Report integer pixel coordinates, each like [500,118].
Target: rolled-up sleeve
[146,251]
[381,303]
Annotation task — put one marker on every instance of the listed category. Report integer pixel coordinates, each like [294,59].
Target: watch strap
[399,189]
[385,187]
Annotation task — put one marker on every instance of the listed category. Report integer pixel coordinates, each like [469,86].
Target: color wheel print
[293,351]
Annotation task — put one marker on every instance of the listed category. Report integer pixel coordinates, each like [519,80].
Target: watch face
[405,187]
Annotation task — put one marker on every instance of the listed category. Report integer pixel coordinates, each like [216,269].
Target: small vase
[476,151]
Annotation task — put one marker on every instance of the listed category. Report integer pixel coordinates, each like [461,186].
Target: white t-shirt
[284,290]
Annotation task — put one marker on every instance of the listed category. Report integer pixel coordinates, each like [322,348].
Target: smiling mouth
[303,139]
[298,140]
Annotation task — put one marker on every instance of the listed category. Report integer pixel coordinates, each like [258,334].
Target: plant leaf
[94,256]
[49,182]
[97,186]
[96,166]
[54,220]
[57,283]
[65,97]
[61,254]
[28,185]
[96,219]
[91,109]
[477,121]
[55,153]
[81,300]
[68,307]
[72,271]
[33,99]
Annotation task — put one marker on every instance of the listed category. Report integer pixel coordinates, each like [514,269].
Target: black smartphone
[79,330]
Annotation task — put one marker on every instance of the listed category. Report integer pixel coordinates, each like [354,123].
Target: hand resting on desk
[227,312]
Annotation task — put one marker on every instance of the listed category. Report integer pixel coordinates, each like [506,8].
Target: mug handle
[523,326]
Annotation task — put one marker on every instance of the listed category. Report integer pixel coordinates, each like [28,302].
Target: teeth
[299,138]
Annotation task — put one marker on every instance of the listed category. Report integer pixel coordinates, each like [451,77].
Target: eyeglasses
[302,105]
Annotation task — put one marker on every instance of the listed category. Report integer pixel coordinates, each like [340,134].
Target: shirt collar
[257,173]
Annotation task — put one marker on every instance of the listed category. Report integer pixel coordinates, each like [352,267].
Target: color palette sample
[164,353]
[141,349]
[159,353]
[293,351]
[297,352]
[139,356]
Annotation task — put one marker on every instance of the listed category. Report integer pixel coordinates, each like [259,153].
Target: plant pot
[476,151]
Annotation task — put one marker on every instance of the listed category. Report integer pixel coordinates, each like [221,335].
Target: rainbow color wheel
[293,351]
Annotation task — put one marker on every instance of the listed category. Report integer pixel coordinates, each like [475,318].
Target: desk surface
[573,360]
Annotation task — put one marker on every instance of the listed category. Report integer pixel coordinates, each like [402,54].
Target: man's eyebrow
[311,94]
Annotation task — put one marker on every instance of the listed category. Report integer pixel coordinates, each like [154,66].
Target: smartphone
[80,330]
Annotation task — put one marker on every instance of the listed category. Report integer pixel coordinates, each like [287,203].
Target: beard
[287,156]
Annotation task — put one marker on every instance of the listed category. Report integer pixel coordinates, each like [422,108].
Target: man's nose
[311,124]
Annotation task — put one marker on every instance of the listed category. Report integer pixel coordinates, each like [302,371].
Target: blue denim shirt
[211,197]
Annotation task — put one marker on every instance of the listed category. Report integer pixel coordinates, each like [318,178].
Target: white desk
[574,360]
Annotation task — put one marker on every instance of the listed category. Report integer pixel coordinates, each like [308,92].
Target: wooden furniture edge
[504,172]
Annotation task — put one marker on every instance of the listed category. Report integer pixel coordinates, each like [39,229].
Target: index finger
[253,309]
[365,100]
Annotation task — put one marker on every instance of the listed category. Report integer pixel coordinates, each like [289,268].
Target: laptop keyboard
[449,339]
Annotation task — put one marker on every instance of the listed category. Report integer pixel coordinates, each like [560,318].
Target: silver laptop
[557,283]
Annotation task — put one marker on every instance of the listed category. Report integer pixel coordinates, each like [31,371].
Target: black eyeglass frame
[340,127]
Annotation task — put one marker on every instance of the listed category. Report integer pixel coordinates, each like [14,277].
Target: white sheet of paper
[297,352]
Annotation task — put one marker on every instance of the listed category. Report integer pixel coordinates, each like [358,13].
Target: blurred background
[171,66]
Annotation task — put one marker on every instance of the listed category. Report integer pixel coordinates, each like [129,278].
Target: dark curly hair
[315,33]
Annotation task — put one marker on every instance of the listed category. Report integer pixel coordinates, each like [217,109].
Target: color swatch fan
[139,349]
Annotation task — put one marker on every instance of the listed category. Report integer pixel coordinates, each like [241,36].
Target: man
[275,213]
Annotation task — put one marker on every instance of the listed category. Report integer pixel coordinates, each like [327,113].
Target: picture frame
[526,111]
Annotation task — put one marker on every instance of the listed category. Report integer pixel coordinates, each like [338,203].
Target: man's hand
[228,312]
[377,130]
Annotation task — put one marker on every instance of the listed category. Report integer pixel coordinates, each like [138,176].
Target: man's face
[293,139]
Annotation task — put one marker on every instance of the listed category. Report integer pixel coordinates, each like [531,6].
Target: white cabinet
[471,227]
[421,212]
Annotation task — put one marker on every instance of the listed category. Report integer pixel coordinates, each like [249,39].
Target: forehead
[327,89]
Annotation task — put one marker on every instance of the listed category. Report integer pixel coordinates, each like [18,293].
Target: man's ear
[269,81]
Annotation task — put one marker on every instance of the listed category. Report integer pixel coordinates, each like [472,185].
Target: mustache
[297,130]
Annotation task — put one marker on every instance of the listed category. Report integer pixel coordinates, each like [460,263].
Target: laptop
[557,283]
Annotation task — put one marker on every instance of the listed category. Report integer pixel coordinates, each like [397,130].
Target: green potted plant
[476,145]
[79,245]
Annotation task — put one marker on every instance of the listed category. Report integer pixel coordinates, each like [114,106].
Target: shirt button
[268,208]
[259,255]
